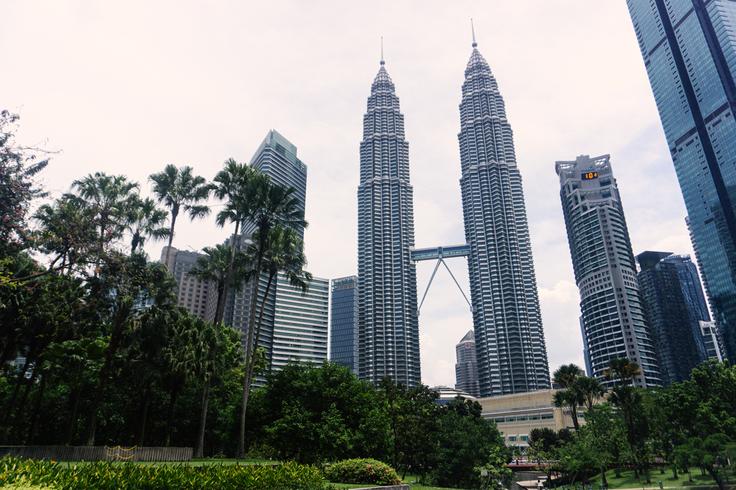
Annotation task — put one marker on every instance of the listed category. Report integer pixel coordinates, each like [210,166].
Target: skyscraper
[466,365]
[192,293]
[712,340]
[510,345]
[300,323]
[344,322]
[688,51]
[673,312]
[605,272]
[388,328]
[276,157]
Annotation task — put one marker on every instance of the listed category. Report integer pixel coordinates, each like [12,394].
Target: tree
[144,220]
[179,190]
[219,266]
[18,167]
[566,377]
[273,206]
[589,389]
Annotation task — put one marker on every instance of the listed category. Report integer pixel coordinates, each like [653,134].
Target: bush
[130,476]
[362,471]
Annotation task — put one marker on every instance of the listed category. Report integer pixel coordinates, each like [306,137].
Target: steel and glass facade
[510,345]
[673,312]
[613,320]
[689,50]
[388,330]
[344,322]
[300,323]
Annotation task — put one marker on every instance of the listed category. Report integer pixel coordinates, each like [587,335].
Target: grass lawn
[628,480]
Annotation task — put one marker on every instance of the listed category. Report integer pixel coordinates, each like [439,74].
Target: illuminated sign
[590,175]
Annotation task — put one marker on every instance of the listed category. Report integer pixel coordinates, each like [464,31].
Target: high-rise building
[605,272]
[276,157]
[344,322]
[388,328]
[712,341]
[511,352]
[192,293]
[466,365]
[300,323]
[689,53]
[673,312]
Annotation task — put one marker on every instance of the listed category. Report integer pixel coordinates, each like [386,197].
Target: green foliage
[367,471]
[103,475]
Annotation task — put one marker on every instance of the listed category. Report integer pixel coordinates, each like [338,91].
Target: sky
[128,87]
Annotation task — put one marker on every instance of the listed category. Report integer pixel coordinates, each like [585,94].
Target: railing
[99,453]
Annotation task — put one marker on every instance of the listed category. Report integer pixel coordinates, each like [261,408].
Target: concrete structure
[511,351]
[445,394]
[517,414]
[300,323]
[192,293]
[388,328]
[712,340]
[605,272]
[673,312]
[688,48]
[466,365]
[344,322]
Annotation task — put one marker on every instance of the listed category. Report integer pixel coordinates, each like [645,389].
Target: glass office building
[344,322]
[689,50]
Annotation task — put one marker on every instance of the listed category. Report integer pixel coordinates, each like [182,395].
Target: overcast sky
[127,87]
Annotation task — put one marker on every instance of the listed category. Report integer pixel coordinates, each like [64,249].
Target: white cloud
[129,87]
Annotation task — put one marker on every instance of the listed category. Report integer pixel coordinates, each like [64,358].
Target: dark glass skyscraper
[613,322]
[511,352]
[673,312]
[689,51]
[344,322]
[388,327]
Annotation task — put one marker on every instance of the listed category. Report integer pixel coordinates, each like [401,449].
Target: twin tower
[511,352]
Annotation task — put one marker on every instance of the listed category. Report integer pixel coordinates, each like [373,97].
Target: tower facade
[510,346]
[613,320]
[690,56]
[673,312]
[344,322]
[388,330]
[466,365]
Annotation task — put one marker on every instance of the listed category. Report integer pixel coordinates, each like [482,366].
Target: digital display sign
[590,175]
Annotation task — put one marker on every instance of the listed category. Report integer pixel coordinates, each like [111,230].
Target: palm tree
[590,389]
[179,190]
[282,251]
[219,266]
[108,198]
[145,220]
[566,376]
[622,371]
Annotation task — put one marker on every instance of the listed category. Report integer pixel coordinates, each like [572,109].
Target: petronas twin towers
[511,352]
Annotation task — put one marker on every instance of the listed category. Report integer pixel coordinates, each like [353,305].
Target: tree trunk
[604,481]
[717,477]
[72,421]
[234,244]
[574,413]
[253,338]
[173,396]
[102,379]
[36,409]
[199,447]
[174,214]
[140,439]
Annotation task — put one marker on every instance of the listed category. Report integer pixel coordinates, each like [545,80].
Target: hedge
[368,471]
[130,476]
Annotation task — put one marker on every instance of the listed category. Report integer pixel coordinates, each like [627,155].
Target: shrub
[362,471]
[130,476]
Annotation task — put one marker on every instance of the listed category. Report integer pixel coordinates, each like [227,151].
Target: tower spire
[382,61]
[472,30]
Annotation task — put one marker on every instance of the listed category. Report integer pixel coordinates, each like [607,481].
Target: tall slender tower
[511,352]
[388,330]
[688,48]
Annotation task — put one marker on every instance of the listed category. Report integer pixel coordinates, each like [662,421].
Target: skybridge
[440,254]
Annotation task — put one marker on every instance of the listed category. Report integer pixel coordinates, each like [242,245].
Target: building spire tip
[382,60]
[472,30]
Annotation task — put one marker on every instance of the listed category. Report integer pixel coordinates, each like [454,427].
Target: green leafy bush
[369,471]
[130,476]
